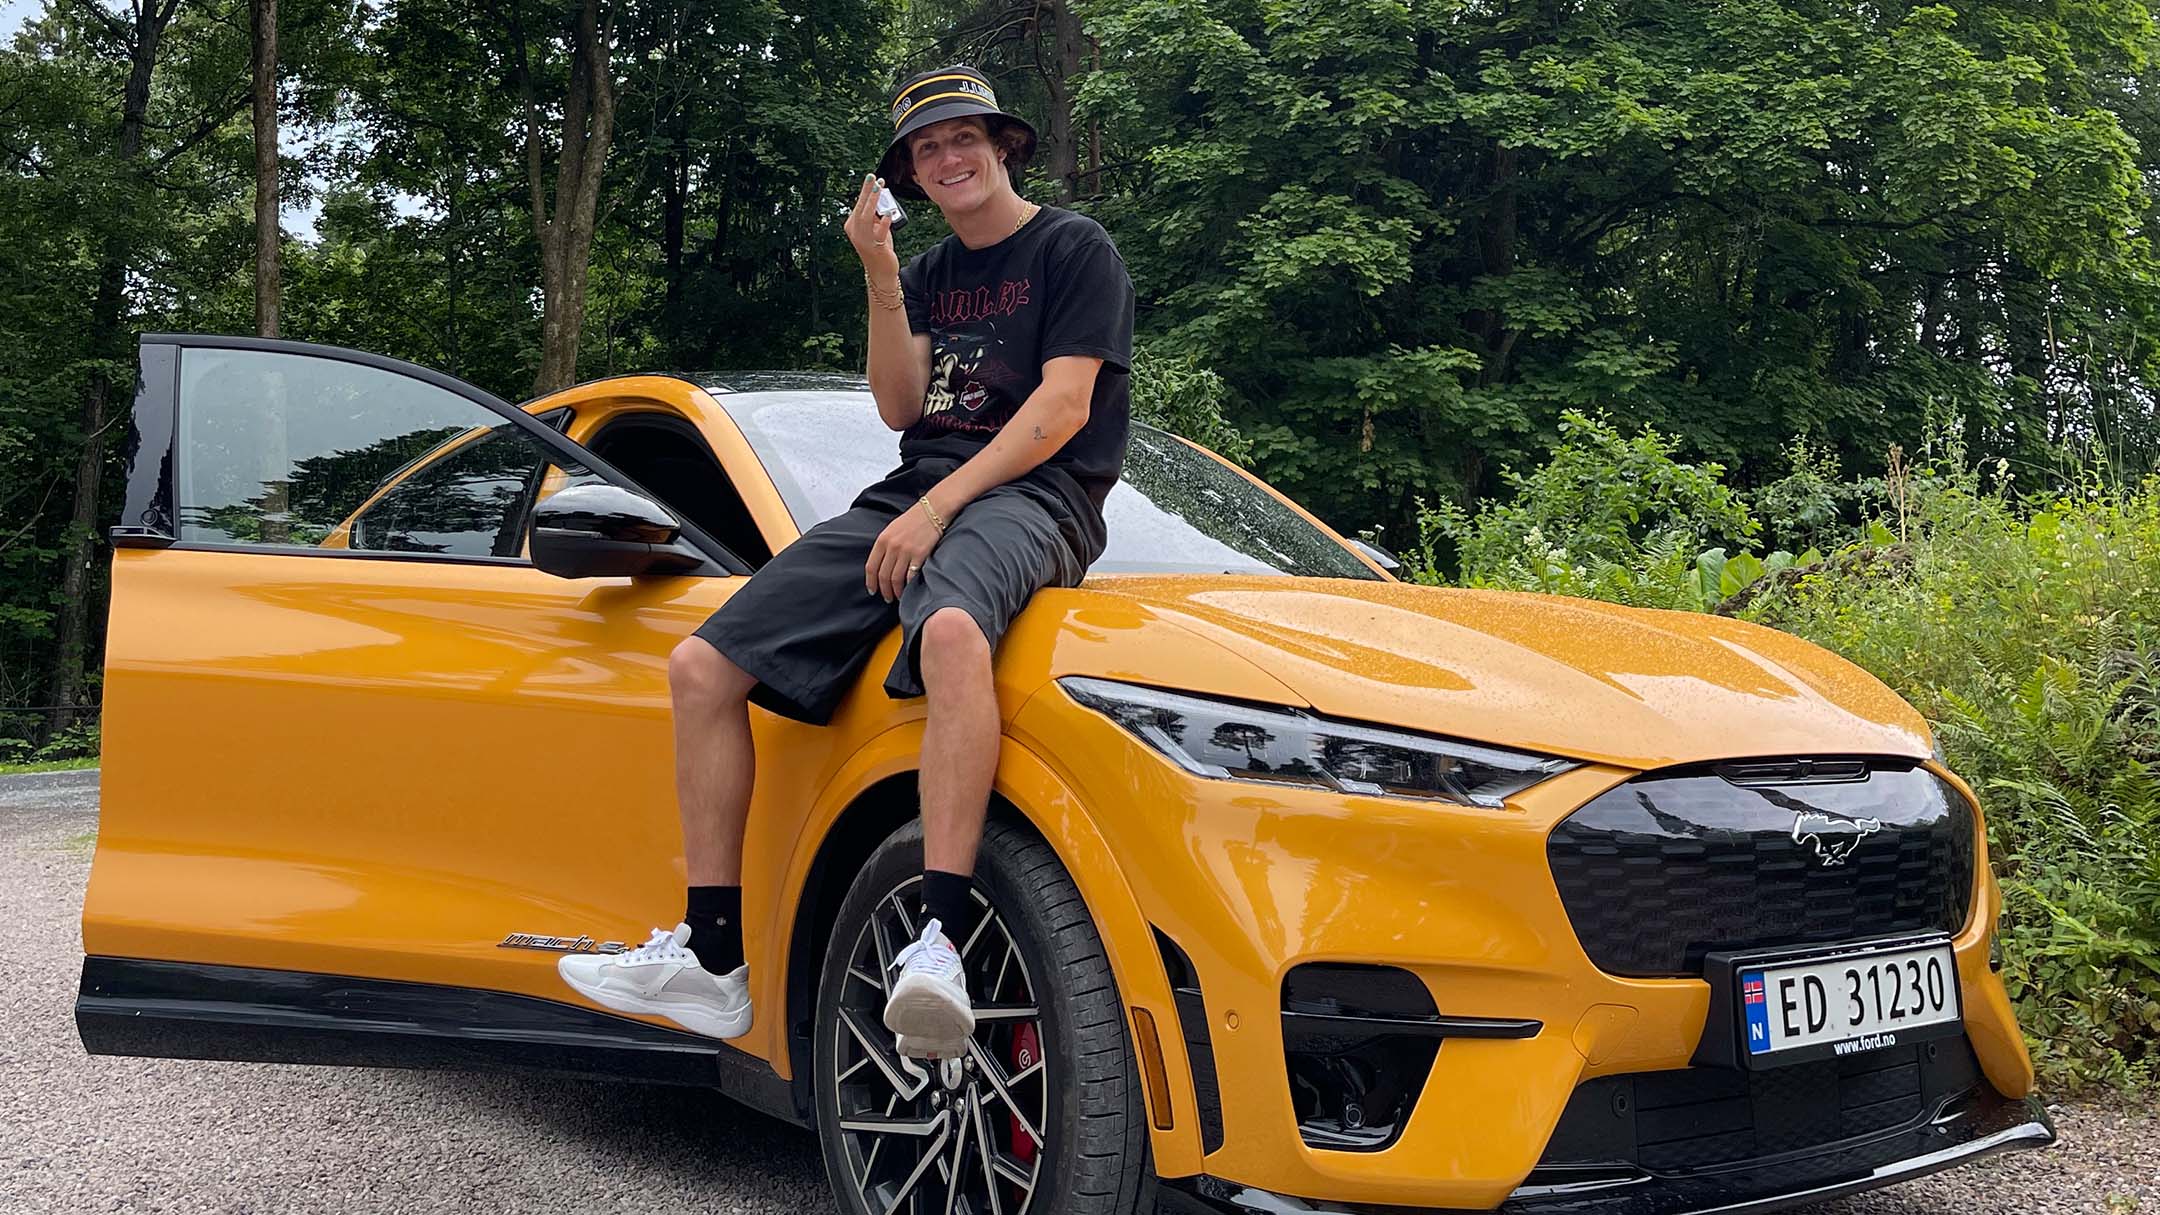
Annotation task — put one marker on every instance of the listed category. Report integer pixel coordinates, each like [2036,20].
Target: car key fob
[890,207]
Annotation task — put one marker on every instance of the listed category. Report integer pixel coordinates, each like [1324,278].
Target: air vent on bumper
[1360,1042]
[1199,1047]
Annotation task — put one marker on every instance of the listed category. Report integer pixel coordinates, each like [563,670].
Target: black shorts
[804,624]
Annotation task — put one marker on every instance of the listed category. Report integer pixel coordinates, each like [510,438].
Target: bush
[2030,634]
[76,742]
[1176,393]
[1608,517]
[2027,630]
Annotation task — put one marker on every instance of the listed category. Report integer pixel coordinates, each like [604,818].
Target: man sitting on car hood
[1002,354]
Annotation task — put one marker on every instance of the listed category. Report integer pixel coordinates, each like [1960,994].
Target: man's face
[956,163]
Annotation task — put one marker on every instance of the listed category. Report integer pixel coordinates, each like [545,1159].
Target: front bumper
[1982,1125]
[1234,888]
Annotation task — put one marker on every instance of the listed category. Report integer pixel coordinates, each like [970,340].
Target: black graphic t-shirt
[995,315]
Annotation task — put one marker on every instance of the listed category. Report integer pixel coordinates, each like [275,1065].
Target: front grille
[1710,1119]
[1662,870]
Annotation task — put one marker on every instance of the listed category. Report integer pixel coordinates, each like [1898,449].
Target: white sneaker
[929,1008]
[663,978]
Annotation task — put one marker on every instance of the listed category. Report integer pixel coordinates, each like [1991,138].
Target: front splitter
[1988,1126]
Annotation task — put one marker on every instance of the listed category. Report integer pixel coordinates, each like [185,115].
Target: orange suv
[1305,889]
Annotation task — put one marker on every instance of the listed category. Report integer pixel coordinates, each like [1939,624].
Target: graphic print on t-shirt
[994,316]
[973,388]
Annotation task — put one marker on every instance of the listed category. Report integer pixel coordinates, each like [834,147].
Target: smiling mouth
[954,181]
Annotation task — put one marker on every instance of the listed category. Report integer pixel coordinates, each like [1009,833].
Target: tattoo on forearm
[1039,434]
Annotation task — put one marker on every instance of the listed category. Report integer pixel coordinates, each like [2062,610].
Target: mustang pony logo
[1833,835]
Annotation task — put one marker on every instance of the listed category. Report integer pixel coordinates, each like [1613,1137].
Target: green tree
[1411,234]
[125,171]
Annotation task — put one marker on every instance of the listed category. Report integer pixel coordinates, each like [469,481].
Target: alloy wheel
[918,1138]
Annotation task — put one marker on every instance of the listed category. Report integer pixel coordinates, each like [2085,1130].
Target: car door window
[469,499]
[281,449]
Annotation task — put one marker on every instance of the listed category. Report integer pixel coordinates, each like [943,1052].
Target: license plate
[1849,1004]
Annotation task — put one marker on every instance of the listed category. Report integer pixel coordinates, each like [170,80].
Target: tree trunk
[675,191]
[565,236]
[1931,315]
[1094,169]
[453,263]
[1061,143]
[2025,333]
[817,215]
[264,26]
[110,340]
[1496,255]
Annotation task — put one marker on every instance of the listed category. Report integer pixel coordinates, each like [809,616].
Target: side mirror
[1383,558]
[606,531]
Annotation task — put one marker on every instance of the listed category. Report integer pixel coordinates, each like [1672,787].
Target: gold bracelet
[890,303]
[932,512]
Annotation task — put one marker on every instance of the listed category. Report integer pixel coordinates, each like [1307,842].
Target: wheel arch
[1028,793]
[875,812]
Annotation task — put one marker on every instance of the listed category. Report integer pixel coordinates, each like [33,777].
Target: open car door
[367,770]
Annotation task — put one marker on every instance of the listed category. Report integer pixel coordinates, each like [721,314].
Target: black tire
[1084,1099]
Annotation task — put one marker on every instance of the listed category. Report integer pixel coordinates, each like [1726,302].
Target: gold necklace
[1031,210]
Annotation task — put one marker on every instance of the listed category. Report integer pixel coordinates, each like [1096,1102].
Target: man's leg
[1003,548]
[714,769]
[960,745]
[763,644]
[929,1009]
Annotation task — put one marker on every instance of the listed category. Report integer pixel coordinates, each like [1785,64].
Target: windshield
[1175,510]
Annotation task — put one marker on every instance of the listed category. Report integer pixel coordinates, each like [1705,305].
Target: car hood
[1567,677]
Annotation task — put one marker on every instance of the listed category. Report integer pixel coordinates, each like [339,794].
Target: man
[1002,355]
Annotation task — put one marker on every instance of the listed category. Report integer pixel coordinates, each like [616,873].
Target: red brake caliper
[1026,1049]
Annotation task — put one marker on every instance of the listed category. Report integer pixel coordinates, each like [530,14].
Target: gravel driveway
[92,1134]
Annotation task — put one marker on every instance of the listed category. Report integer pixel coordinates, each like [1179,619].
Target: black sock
[945,898]
[715,920]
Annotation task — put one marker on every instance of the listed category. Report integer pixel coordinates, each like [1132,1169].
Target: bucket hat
[934,96]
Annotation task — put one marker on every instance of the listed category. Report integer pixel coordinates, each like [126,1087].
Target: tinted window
[470,500]
[1175,509]
[284,448]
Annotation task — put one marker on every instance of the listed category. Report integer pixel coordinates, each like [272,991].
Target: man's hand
[899,358]
[871,234]
[900,550]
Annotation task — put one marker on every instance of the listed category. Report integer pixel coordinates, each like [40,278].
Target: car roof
[720,383]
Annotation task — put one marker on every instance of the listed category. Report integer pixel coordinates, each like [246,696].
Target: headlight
[1226,740]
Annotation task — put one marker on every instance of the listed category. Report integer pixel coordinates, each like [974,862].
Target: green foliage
[63,765]
[78,741]
[19,745]
[1411,235]
[1718,578]
[2031,636]
[1184,398]
[1811,504]
[2067,756]
[2027,631]
[1608,517]
[825,350]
